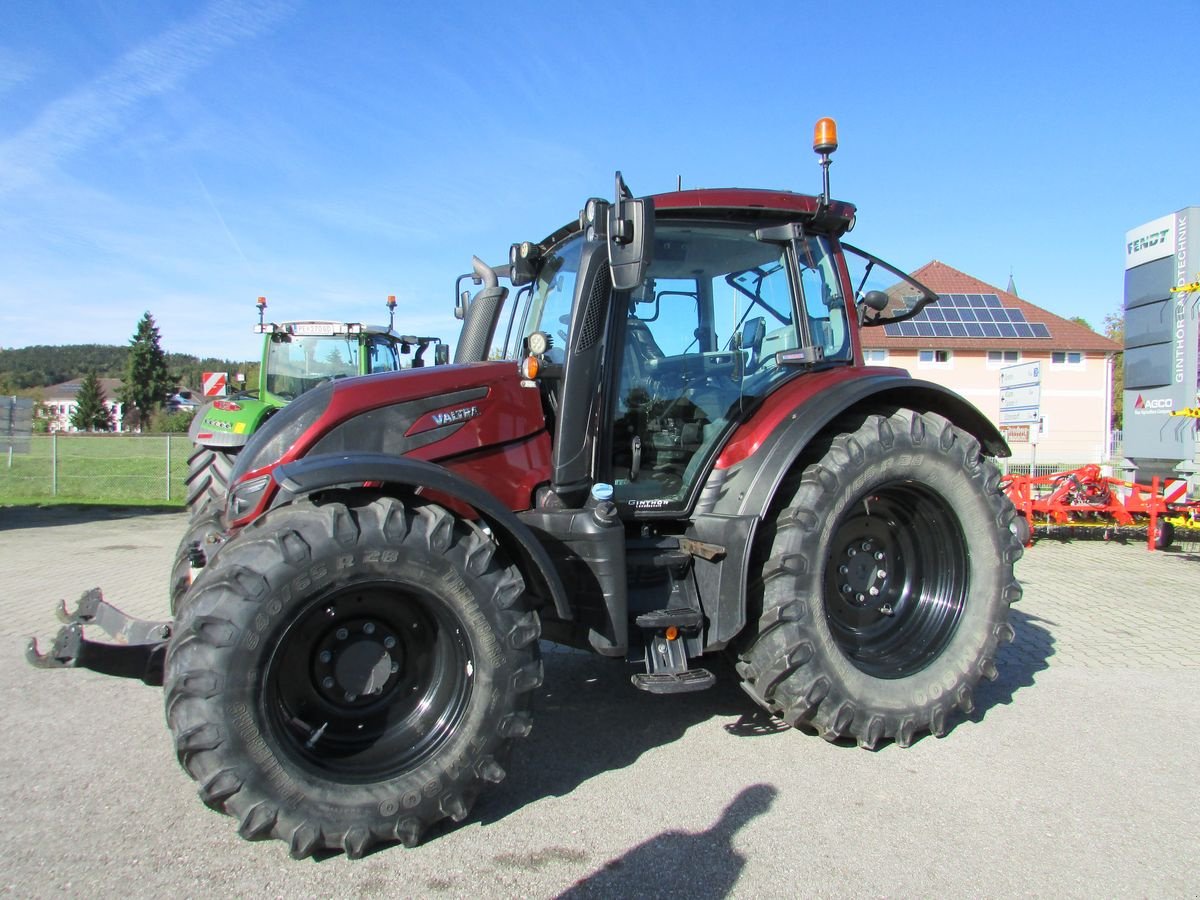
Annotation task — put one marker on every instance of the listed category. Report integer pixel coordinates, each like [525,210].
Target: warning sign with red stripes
[214,383]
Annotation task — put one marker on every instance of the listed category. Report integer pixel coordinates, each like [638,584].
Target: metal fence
[97,468]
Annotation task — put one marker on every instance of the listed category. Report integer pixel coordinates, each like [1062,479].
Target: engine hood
[429,414]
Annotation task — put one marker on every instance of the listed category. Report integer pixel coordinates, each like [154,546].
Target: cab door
[704,338]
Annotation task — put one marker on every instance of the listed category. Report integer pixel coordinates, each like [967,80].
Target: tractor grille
[593,316]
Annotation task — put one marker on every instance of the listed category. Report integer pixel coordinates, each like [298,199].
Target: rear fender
[212,427]
[736,499]
[316,473]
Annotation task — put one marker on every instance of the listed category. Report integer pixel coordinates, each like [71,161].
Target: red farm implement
[1084,498]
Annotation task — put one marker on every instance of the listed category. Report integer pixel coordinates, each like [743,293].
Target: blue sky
[186,157]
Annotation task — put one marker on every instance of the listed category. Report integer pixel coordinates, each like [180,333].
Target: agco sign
[1159,406]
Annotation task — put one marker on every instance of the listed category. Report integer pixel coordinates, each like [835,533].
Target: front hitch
[137,649]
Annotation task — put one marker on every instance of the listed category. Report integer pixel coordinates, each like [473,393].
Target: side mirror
[876,300]
[441,355]
[753,333]
[630,238]
[460,307]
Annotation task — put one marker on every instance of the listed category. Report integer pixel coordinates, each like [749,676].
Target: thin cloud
[14,69]
[74,122]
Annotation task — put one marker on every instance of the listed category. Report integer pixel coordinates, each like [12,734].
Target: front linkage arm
[137,649]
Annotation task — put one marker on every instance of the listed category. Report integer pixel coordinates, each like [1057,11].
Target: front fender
[315,473]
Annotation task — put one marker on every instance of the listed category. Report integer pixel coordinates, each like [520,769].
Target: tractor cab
[728,295]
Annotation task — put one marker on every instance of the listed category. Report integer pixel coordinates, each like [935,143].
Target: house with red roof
[975,330]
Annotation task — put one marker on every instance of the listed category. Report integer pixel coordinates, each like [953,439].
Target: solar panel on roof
[968,316]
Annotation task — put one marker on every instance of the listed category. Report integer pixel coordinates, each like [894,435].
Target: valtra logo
[1160,406]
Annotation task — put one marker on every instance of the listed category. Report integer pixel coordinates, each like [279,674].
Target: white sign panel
[1154,240]
[1021,394]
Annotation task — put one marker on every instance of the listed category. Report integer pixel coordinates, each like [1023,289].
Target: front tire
[343,676]
[886,582]
[207,480]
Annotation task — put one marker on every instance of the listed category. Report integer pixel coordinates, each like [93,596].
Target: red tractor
[679,454]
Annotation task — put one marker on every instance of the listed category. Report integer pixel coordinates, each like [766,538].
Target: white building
[975,330]
[60,402]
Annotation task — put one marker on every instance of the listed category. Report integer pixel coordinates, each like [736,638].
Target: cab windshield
[298,363]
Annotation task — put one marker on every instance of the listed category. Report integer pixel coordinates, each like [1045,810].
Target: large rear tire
[208,480]
[344,676]
[885,585]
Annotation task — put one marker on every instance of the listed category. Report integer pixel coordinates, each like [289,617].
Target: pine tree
[91,413]
[147,382]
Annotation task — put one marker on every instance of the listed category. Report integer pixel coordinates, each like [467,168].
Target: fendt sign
[1162,343]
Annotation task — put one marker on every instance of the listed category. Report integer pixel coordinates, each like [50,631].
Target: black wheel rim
[368,682]
[896,579]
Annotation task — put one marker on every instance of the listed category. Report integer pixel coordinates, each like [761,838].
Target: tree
[1114,330]
[1080,320]
[91,413]
[147,382]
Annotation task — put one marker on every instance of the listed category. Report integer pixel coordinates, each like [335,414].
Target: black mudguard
[316,473]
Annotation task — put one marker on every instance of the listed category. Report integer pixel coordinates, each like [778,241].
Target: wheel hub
[358,661]
[863,573]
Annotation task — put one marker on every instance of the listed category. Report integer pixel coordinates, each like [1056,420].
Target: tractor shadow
[16,517]
[589,719]
[1017,664]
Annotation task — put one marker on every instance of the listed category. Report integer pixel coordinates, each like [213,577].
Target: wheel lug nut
[881,573]
[860,598]
[350,698]
[389,642]
[874,592]
[325,656]
[843,570]
[342,634]
[327,683]
[369,628]
[879,555]
[852,552]
[866,546]
[395,667]
[846,589]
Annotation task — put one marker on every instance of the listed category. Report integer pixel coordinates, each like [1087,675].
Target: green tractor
[296,357]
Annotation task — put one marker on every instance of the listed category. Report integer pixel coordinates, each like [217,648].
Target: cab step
[674,682]
[682,618]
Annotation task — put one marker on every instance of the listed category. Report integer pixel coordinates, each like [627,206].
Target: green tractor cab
[296,357]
